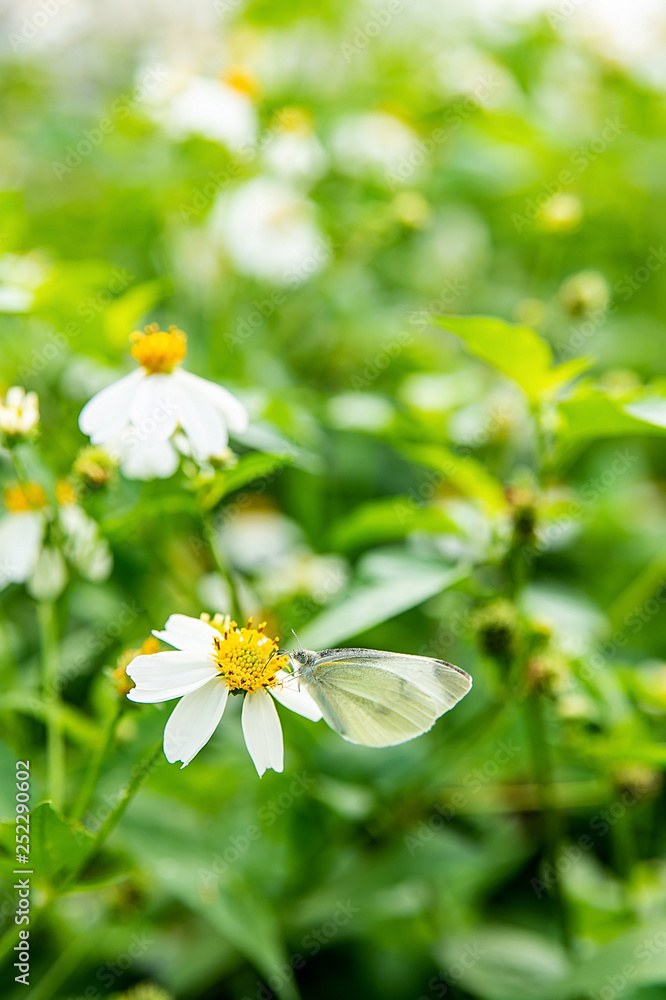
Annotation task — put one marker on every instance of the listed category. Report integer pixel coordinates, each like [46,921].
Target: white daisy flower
[269,231]
[27,557]
[22,531]
[219,110]
[295,153]
[20,277]
[83,546]
[373,142]
[147,406]
[19,412]
[216,657]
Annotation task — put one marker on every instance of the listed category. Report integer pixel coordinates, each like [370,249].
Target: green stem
[223,570]
[543,779]
[55,746]
[66,963]
[141,772]
[89,783]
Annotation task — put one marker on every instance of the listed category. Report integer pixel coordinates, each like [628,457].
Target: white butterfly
[378,699]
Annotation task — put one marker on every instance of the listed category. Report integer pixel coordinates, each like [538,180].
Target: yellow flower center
[65,493]
[242,656]
[158,351]
[242,81]
[294,119]
[29,496]
[123,682]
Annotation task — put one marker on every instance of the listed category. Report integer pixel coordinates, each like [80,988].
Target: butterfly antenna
[297,640]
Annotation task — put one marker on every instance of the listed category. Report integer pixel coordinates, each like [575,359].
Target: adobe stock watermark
[644,953]
[448,294]
[225,7]
[625,288]
[375,24]
[578,163]
[31,26]
[121,108]
[94,818]
[311,944]
[556,15]
[591,492]
[305,607]
[57,341]
[239,844]
[472,783]
[263,309]
[601,823]
[453,119]
[219,179]
[109,974]
[467,958]
[633,622]
[96,643]
[389,351]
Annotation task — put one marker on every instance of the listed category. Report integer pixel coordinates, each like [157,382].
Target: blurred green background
[301,187]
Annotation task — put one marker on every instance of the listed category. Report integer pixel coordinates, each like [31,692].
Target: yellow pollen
[158,351]
[29,496]
[242,656]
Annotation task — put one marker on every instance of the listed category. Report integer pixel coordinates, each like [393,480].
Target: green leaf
[651,409]
[229,903]
[593,414]
[249,468]
[74,723]
[505,963]
[516,351]
[125,313]
[640,950]
[57,845]
[370,604]
[465,473]
[386,520]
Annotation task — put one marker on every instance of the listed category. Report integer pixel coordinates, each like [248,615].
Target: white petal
[190,634]
[21,537]
[288,694]
[201,422]
[262,732]
[233,411]
[141,460]
[154,408]
[162,676]
[107,412]
[194,720]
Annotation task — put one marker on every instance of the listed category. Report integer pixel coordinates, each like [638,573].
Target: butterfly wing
[381,699]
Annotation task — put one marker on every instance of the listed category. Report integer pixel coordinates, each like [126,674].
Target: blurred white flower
[295,153]
[219,110]
[26,556]
[83,547]
[19,412]
[269,232]
[318,576]
[214,658]
[22,531]
[49,576]
[253,539]
[373,142]
[20,276]
[146,407]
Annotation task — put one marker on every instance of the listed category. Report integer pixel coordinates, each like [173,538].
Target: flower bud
[94,467]
[496,628]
